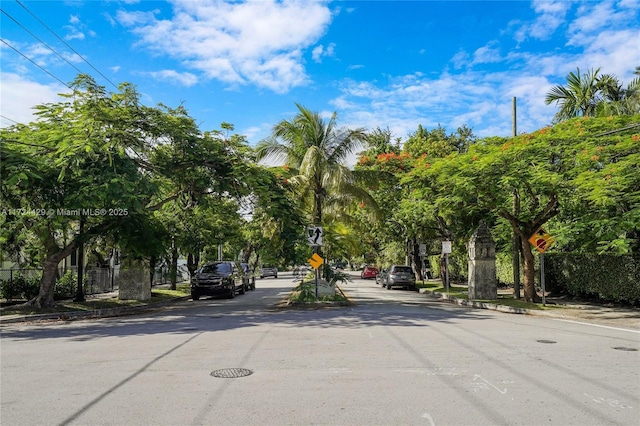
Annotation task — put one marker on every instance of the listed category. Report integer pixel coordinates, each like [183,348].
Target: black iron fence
[24,282]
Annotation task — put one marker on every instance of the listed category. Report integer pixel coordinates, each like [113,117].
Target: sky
[377,64]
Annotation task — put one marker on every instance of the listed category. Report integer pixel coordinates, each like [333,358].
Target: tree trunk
[192,263]
[153,260]
[173,269]
[530,294]
[54,256]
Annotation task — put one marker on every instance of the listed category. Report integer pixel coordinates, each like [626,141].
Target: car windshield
[216,268]
[402,269]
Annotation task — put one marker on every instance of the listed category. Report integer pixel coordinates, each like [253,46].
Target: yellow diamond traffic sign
[315,261]
[541,240]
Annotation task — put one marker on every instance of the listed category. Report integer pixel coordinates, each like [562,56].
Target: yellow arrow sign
[315,261]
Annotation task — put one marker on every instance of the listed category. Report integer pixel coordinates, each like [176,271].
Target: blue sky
[387,64]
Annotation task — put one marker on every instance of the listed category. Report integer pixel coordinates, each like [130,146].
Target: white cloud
[260,43]
[481,101]
[551,15]
[320,51]
[180,78]
[486,54]
[19,95]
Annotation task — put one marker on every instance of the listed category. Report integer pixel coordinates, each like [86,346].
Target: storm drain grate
[622,348]
[546,341]
[231,373]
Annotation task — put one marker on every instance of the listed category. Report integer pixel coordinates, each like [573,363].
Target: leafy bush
[458,266]
[332,276]
[603,277]
[66,286]
[20,287]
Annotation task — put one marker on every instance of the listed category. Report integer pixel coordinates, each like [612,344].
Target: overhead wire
[33,62]
[41,41]
[65,43]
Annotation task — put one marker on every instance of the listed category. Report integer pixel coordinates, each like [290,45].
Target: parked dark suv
[400,276]
[218,278]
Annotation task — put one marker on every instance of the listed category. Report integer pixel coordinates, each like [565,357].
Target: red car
[369,272]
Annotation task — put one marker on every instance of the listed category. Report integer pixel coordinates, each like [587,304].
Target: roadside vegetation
[92,303]
[146,186]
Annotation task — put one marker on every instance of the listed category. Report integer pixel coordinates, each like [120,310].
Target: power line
[33,62]
[65,43]
[8,119]
[45,44]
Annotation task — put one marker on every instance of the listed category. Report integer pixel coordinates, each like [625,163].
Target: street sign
[541,240]
[314,235]
[423,250]
[446,247]
[315,260]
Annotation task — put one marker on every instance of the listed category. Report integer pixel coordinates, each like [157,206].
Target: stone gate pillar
[482,265]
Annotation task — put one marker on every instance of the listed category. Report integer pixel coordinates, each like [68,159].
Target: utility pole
[516,212]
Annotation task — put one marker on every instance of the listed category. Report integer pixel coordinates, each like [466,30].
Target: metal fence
[98,279]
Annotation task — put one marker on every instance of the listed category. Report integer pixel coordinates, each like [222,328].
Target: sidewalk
[560,308]
[96,313]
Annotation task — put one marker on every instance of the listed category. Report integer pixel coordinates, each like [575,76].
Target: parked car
[249,276]
[400,276]
[218,278]
[268,271]
[369,272]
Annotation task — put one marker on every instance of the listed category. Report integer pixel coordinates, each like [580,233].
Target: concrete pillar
[482,265]
[133,284]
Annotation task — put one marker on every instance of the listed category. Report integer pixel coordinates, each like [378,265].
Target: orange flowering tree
[580,177]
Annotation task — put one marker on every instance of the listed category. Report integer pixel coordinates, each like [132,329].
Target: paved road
[397,357]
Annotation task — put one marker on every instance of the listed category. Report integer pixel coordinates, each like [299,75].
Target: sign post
[314,237]
[542,241]
[446,249]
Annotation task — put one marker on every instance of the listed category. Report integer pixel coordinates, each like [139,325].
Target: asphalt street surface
[394,358]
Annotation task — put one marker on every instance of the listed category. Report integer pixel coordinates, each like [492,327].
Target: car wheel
[232,292]
[388,286]
[253,286]
[275,276]
[195,296]
[261,277]
[242,289]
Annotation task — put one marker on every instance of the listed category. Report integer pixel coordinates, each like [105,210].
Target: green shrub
[20,287]
[66,286]
[332,276]
[458,266]
[608,278]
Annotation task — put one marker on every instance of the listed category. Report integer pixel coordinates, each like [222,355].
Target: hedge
[607,278]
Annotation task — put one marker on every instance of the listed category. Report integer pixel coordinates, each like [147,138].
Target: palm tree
[578,98]
[316,152]
[594,94]
[619,100]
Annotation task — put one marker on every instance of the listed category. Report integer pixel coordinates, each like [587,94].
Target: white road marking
[598,325]
[428,417]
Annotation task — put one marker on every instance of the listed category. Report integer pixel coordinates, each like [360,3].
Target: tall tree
[592,93]
[316,153]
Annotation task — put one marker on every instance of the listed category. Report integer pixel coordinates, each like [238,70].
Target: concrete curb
[492,306]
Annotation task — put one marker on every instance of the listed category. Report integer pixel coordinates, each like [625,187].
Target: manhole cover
[231,373]
[546,341]
[622,348]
